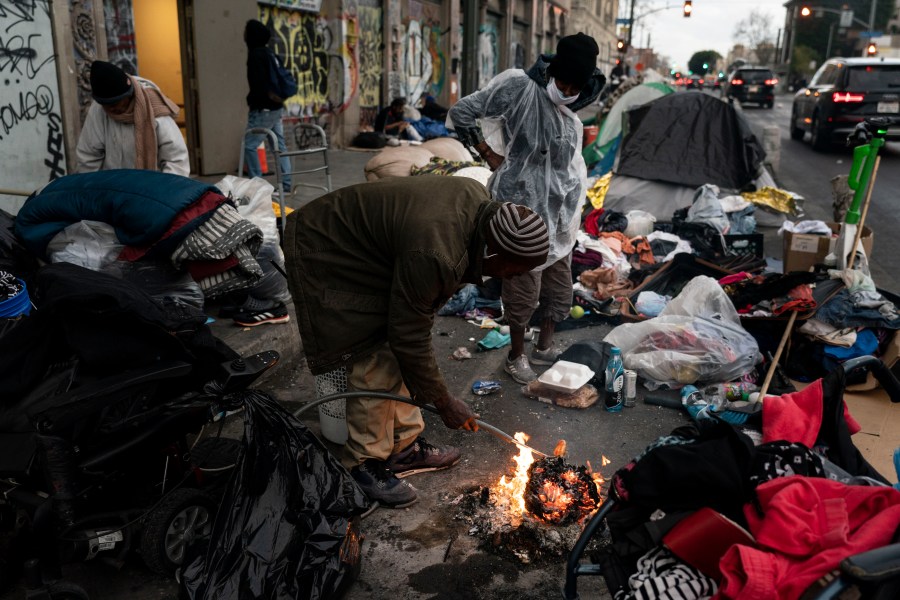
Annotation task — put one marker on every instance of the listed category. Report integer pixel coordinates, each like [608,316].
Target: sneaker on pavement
[520,370]
[421,457]
[381,485]
[545,357]
[276,314]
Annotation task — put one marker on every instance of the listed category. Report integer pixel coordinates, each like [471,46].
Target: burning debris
[559,493]
[539,510]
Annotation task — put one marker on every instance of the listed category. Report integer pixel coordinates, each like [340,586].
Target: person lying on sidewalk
[368,266]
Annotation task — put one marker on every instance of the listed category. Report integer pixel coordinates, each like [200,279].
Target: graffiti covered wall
[488,52]
[31,134]
[120,44]
[321,53]
[421,61]
[370,52]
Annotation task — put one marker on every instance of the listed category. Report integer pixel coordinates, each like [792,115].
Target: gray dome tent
[689,139]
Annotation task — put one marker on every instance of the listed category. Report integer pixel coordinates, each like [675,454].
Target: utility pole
[631,24]
[872,16]
[470,47]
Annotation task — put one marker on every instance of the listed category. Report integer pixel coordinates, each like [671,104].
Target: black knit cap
[575,59]
[109,83]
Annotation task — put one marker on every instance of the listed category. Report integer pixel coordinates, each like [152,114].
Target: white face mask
[557,97]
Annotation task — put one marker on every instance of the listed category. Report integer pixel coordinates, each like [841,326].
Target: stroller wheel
[185,515]
[63,590]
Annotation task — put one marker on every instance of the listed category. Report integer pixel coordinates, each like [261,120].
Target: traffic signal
[620,45]
[688,8]
[871,49]
[805,11]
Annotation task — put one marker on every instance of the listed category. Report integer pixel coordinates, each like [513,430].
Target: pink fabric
[797,417]
[804,527]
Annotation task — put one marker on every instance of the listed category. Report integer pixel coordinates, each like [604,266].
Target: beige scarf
[146,105]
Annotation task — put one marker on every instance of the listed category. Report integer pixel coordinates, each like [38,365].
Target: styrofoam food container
[565,376]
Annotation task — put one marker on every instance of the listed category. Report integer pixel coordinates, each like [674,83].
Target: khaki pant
[378,428]
[549,290]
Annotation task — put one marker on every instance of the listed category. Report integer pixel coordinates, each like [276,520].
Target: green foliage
[803,57]
[700,61]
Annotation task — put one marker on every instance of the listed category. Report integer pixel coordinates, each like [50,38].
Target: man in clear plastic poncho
[523,124]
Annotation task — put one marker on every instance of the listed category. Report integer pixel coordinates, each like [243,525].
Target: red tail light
[737,82]
[847,97]
[771,81]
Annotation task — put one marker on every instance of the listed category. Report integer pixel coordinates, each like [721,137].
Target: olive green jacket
[372,263]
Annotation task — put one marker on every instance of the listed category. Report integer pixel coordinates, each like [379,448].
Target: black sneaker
[421,457]
[381,485]
[276,314]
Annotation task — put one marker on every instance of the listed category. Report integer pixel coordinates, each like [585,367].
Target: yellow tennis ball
[577,312]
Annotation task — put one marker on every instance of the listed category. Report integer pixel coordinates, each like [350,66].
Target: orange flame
[513,490]
[510,491]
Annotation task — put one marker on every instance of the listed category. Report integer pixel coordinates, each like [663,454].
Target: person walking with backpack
[266,105]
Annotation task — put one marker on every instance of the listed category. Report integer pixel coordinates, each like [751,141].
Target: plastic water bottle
[694,403]
[615,381]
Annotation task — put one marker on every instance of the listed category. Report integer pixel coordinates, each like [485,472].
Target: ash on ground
[488,517]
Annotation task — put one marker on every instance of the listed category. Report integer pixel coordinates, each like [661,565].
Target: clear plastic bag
[706,208]
[89,244]
[698,337]
[253,198]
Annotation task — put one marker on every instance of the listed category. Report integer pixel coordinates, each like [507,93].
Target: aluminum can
[484,387]
[630,387]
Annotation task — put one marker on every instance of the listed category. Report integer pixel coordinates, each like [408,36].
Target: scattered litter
[485,323]
[583,397]
[483,387]
[493,340]
[461,353]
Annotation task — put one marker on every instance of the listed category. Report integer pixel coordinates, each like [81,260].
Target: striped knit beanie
[522,236]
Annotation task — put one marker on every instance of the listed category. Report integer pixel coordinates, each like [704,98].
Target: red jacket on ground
[808,525]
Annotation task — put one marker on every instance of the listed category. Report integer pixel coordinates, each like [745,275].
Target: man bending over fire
[368,266]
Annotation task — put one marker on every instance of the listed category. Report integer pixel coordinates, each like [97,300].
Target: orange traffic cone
[261,153]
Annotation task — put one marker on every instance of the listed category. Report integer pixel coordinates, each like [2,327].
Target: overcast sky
[711,27]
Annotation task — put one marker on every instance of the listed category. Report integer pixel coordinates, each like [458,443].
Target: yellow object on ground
[597,193]
[277,208]
[774,198]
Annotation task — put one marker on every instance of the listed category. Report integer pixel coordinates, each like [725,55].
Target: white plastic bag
[89,244]
[706,208]
[697,337]
[253,198]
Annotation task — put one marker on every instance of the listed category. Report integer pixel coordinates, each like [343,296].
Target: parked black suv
[752,84]
[843,92]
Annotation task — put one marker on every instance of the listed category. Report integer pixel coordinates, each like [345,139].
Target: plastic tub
[639,223]
[18,305]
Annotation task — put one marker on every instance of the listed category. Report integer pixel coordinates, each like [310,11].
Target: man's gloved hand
[456,414]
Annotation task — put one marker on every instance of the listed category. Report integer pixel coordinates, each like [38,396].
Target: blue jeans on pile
[268,119]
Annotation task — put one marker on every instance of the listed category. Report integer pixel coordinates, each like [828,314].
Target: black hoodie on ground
[259,64]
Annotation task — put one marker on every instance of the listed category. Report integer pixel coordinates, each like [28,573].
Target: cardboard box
[803,250]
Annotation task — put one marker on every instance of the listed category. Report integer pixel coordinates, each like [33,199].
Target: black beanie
[256,34]
[109,83]
[575,59]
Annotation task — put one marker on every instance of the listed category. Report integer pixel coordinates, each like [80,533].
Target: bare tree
[756,31]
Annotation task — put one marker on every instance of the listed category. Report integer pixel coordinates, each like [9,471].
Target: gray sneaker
[520,370]
[545,357]
[382,486]
[421,457]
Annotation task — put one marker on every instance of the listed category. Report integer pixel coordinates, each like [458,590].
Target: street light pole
[790,55]
[871,16]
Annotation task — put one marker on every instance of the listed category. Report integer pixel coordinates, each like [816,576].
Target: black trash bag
[289,522]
